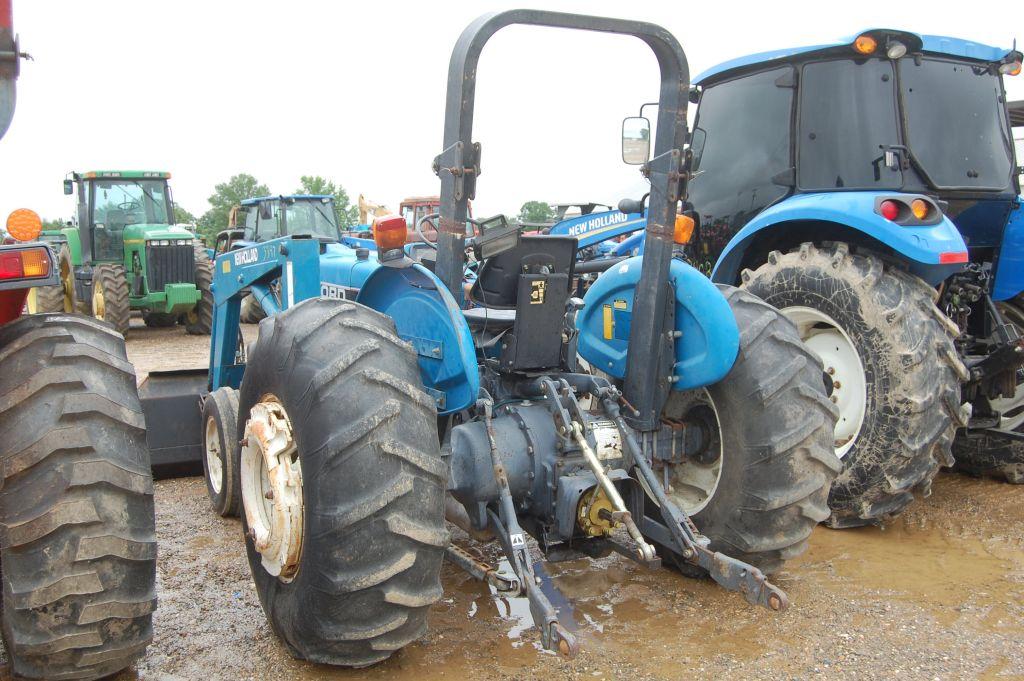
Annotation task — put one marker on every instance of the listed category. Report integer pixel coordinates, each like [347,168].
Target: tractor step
[172,403]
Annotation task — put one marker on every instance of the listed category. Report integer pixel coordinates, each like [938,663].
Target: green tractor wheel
[45,299]
[110,296]
[199,320]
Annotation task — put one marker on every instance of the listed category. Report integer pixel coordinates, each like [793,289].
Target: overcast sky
[355,91]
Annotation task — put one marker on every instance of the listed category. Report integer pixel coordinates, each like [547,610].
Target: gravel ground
[938,595]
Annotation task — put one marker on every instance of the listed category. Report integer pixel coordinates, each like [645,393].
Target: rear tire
[221,450]
[996,457]
[250,311]
[774,446]
[909,371]
[79,546]
[199,320]
[373,483]
[43,299]
[110,296]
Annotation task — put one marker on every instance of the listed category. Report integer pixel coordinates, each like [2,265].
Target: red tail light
[890,210]
[25,263]
[952,257]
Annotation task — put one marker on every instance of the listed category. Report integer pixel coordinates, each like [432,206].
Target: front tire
[79,548]
[158,320]
[761,484]
[354,586]
[110,296]
[221,451]
[881,335]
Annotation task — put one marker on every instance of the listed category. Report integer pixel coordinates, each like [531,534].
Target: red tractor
[78,546]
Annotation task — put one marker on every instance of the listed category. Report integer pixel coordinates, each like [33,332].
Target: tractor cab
[270,217]
[115,205]
[885,111]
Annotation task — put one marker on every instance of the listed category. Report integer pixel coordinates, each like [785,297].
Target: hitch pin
[647,552]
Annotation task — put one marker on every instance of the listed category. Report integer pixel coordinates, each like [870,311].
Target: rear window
[847,115]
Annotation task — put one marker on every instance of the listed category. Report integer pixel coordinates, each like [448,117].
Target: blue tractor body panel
[921,245]
[1010,266]
[598,228]
[427,316]
[710,340]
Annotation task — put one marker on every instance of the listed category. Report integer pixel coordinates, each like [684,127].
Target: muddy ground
[938,595]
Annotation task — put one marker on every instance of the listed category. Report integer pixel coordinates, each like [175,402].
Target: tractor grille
[173,264]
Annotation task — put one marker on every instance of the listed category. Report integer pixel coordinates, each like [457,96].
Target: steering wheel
[419,228]
[129,205]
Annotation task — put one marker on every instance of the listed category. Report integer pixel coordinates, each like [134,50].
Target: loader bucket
[172,402]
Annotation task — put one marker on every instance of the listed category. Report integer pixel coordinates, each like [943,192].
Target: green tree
[348,214]
[182,216]
[54,224]
[225,195]
[536,211]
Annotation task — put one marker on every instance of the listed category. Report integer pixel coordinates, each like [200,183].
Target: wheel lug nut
[269,494]
[834,399]
[831,370]
[837,384]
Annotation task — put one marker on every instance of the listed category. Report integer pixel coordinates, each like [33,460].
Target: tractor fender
[1010,264]
[427,316]
[710,340]
[71,234]
[922,246]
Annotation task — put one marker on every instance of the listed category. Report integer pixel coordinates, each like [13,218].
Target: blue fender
[1010,265]
[710,340]
[922,246]
[597,227]
[427,316]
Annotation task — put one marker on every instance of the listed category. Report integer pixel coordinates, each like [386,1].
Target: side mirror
[636,140]
[693,95]
[69,187]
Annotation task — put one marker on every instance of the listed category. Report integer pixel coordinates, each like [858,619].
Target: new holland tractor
[352,428]
[78,546]
[877,205]
[125,253]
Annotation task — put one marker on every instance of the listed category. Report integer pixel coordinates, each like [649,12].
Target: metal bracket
[464,167]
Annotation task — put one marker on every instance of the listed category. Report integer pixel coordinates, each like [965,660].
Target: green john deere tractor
[127,254]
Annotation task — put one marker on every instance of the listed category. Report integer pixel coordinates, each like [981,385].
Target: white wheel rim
[692,484]
[839,355]
[271,478]
[214,465]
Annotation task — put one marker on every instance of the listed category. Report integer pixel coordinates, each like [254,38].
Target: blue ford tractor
[868,188]
[354,427]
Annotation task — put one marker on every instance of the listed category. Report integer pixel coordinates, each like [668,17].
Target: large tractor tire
[42,299]
[78,546]
[345,539]
[221,451]
[760,483]
[110,296]
[997,457]
[199,320]
[890,365]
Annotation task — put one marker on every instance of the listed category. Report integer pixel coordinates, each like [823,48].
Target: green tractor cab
[127,254]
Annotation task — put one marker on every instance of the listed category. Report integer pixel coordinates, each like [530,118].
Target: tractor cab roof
[935,44]
[127,174]
[286,197]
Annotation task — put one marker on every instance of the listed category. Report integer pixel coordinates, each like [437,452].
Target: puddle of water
[940,572]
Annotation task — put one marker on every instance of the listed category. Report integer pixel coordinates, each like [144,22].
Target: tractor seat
[492,319]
